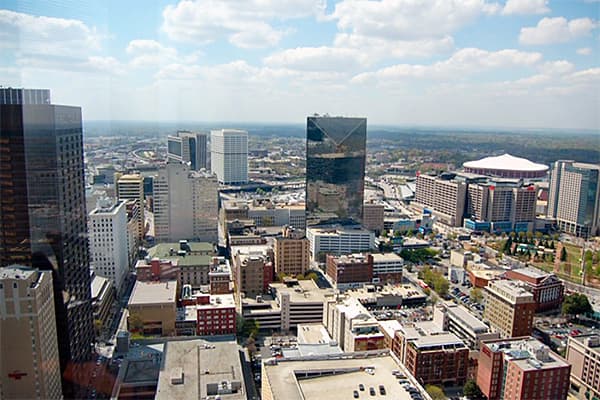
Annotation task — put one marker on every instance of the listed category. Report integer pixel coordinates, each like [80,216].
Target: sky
[480,63]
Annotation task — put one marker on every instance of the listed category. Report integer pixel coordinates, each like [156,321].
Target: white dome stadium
[506,166]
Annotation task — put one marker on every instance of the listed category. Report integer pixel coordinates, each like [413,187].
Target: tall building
[252,270]
[509,308]
[574,197]
[131,187]
[43,214]
[108,241]
[29,361]
[188,147]
[229,155]
[583,353]
[24,96]
[338,241]
[521,368]
[291,253]
[547,289]
[185,204]
[444,196]
[373,217]
[335,170]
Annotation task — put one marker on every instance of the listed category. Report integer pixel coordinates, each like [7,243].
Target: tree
[313,276]
[472,391]
[136,324]
[563,254]
[436,392]
[576,303]
[476,295]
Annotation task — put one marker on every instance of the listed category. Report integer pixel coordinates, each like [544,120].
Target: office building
[252,270]
[509,308]
[432,356]
[24,96]
[43,215]
[335,170]
[338,241]
[264,213]
[108,241]
[229,156]
[574,197]
[188,147]
[208,368]
[29,361]
[349,270]
[583,353]
[133,211]
[547,289]
[103,297]
[291,252]
[445,197]
[521,368]
[387,268]
[458,320]
[185,204]
[152,308]
[373,217]
[215,315]
[131,187]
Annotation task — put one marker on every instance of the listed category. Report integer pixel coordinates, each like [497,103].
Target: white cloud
[31,34]
[526,7]
[584,51]
[150,53]
[317,59]
[91,64]
[459,65]
[245,23]
[375,48]
[556,30]
[559,67]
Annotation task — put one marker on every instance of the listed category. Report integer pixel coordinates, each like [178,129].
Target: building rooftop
[387,257]
[390,326]
[513,291]
[17,272]
[466,317]
[153,293]
[591,342]
[319,378]
[218,301]
[339,231]
[527,352]
[99,285]
[163,252]
[305,291]
[313,334]
[532,272]
[505,162]
[197,369]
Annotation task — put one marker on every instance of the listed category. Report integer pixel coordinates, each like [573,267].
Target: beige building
[291,251]
[446,198]
[509,308]
[373,217]
[152,308]
[583,353]
[29,363]
[131,187]
[249,268]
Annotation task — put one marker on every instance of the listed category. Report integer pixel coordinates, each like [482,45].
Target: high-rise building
[43,214]
[373,215]
[229,155]
[444,196]
[574,197]
[185,204]
[509,308]
[521,368]
[24,96]
[338,241]
[583,353]
[188,147]
[131,187]
[29,361]
[108,241]
[292,256]
[335,170]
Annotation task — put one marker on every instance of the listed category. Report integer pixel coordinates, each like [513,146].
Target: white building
[109,241]
[185,204]
[339,241]
[229,155]
[131,187]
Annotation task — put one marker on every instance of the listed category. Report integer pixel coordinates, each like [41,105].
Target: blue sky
[503,63]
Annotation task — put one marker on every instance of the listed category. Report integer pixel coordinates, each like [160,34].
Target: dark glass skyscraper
[43,215]
[335,170]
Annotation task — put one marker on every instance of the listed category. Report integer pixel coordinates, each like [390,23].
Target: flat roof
[17,272]
[162,251]
[531,272]
[390,326]
[153,293]
[464,315]
[98,283]
[313,334]
[387,257]
[200,363]
[287,378]
[528,353]
[306,291]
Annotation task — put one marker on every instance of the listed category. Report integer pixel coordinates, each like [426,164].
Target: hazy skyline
[515,63]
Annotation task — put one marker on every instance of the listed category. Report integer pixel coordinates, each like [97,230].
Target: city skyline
[518,63]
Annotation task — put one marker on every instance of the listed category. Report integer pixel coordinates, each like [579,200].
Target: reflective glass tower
[335,170]
[43,216]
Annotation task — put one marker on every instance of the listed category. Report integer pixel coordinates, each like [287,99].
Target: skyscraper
[229,155]
[131,187]
[574,197]
[29,362]
[43,213]
[335,170]
[188,147]
[185,204]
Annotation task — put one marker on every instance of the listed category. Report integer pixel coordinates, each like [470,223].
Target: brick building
[349,269]
[509,308]
[547,289]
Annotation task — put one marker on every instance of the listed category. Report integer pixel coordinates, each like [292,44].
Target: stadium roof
[505,162]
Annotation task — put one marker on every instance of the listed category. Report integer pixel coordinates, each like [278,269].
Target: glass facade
[335,170]
[43,213]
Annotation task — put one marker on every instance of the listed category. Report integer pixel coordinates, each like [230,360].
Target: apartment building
[444,196]
[509,308]
[583,353]
[291,252]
